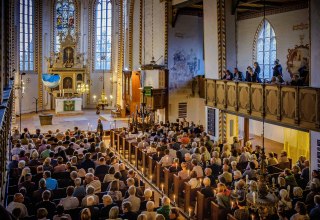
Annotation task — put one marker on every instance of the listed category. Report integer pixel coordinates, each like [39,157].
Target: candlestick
[174,198]
[158,154]
[254,198]
[151,178]
[142,171]
[190,212]
[162,187]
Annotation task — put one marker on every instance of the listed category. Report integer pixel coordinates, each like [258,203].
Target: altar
[68,105]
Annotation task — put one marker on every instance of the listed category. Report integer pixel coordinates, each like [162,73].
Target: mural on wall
[186,65]
[298,61]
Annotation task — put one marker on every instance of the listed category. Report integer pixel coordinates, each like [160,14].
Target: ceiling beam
[235,4]
[188,3]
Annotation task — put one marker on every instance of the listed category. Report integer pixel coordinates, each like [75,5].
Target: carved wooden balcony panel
[297,107]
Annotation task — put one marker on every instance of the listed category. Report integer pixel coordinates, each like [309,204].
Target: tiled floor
[64,122]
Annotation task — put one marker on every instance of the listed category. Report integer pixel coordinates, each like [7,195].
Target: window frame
[26,36]
[271,37]
[103,66]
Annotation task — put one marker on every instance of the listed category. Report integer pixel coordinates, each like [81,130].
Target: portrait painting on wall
[298,61]
[67,83]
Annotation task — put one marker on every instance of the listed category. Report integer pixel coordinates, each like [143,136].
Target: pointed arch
[265,48]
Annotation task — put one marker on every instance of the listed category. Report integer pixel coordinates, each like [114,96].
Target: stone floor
[64,122]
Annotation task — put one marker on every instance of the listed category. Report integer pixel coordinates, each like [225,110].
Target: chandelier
[83,88]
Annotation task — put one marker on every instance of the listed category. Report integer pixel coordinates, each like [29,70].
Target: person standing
[100,127]
[277,69]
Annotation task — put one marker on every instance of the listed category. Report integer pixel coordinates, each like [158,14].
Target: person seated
[184,173]
[252,172]
[242,213]
[194,182]
[227,75]
[283,157]
[284,204]
[207,191]
[301,210]
[237,75]
[208,174]
[250,75]
[70,202]
[126,211]
[147,198]
[42,214]
[90,193]
[102,167]
[166,160]
[226,174]
[198,169]
[47,204]
[113,213]
[79,190]
[315,212]
[107,205]
[91,181]
[60,213]
[114,191]
[87,162]
[61,167]
[223,196]
[236,177]
[17,202]
[28,184]
[165,208]
[109,177]
[272,160]
[131,182]
[297,196]
[50,182]
[289,177]
[133,199]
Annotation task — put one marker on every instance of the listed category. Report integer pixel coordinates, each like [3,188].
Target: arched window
[103,35]
[26,46]
[266,49]
[64,20]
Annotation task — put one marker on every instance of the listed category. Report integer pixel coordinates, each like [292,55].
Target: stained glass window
[26,44]
[103,35]
[266,49]
[64,20]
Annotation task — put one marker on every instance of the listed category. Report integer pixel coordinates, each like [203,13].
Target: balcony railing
[290,106]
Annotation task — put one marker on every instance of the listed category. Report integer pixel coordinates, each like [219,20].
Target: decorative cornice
[140,31]
[120,53]
[131,33]
[221,36]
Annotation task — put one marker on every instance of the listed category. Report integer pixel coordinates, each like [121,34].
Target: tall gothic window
[26,47]
[266,49]
[103,35]
[64,20]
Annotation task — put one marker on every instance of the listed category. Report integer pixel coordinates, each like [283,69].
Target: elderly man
[47,204]
[165,208]
[133,199]
[207,191]
[90,198]
[226,174]
[208,173]
[95,183]
[236,177]
[107,205]
[17,202]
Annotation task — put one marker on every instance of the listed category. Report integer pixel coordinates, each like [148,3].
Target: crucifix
[68,52]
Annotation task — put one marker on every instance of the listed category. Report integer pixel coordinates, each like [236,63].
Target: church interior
[159,109]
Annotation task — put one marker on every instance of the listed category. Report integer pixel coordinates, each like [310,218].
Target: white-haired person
[147,197]
[86,199]
[165,208]
[107,205]
[150,213]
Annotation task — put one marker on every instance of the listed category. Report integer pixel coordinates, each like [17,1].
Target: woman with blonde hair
[24,172]
[85,214]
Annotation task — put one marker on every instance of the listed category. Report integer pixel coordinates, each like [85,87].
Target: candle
[158,154]
[162,187]
[142,171]
[252,217]
[151,177]
[273,182]
[190,212]
[174,198]
[254,198]
[231,204]
[176,166]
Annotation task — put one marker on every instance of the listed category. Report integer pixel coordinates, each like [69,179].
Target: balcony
[297,107]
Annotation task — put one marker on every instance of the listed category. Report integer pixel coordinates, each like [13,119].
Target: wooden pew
[189,196]
[217,213]
[168,180]
[200,205]
[158,174]
[144,155]
[150,167]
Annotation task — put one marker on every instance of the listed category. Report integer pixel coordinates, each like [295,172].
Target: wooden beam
[187,3]
[235,4]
